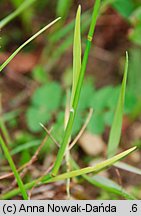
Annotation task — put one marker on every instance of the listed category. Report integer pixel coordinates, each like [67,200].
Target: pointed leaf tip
[79,9]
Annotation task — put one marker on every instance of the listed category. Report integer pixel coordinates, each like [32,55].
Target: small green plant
[103,102]
[45,102]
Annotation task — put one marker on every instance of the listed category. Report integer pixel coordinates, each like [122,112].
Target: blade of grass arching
[96,169]
[27,42]
[13,168]
[75,101]
[105,183]
[127,167]
[14,14]
[76,53]
[115,132]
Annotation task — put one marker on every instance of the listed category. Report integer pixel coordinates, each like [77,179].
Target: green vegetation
[24,125]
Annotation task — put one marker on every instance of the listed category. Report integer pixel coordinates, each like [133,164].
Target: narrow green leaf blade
[27,42]
[108,185]
[76,52]
[127,167]
[115,132]
[96,169]
[13,168]
[105,184]
[26,4]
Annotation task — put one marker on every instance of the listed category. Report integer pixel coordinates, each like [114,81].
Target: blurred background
[34,84]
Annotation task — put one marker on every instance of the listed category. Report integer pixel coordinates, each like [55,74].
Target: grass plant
[79,69]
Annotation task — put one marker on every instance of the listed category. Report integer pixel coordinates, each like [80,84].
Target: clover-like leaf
[36,116]
[45,101]
[49,96]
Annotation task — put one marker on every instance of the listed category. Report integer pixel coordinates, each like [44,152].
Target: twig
[119,176]
[82,129]
[50,135]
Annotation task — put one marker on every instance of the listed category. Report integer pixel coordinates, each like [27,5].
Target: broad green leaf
[78,122]
[130,102]
[48,95]
[124,7]
[128,168]
[76,52]
[87,89]
[39,74]
[35,116]
[135,34]
[115,132]
[45,101]
[97,124]
[101,98]
[108,117]
[58,128]
[113,97]
[27,42]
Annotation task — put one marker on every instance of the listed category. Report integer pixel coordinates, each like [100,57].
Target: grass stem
[73,110]
[13,167]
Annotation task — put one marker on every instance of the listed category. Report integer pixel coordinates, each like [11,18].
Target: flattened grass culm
[78,77]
